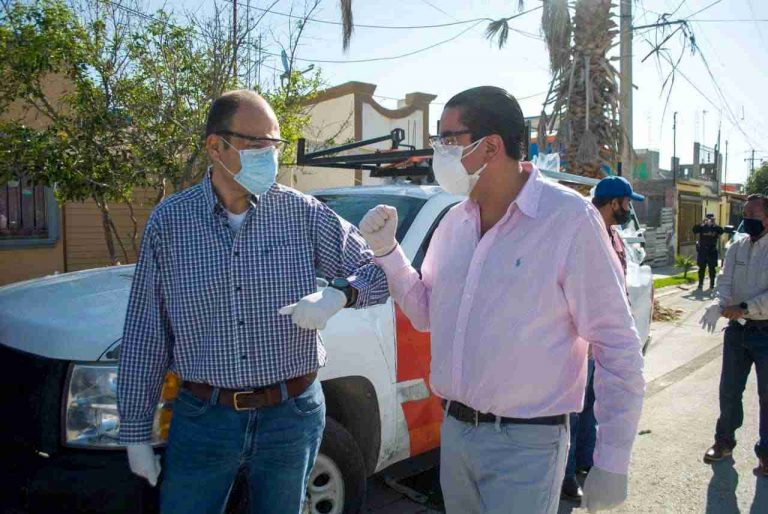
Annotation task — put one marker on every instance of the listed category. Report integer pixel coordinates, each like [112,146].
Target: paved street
[667,474]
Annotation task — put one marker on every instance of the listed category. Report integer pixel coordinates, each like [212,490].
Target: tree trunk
[135,228]
[106,224]
[119,240]
[160,188]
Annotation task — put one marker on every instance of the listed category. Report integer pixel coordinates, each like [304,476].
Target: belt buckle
[236,403]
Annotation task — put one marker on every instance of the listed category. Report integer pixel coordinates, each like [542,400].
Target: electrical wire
[388,58]
[763,20]
[704,9]
[436,8]
[368,26]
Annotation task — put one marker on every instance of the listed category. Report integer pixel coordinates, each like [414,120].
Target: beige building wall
[86,246]
[349,112]
[18,264]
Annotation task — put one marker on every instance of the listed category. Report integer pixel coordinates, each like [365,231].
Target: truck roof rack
[394,162]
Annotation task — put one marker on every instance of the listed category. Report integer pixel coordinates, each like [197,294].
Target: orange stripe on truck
[423,417]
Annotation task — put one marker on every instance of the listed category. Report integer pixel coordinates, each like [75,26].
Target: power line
[704,8]
[745,20]
[389,58]
[366,26]
[733,121]
[436,8]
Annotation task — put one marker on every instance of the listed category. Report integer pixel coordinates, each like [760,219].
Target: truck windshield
[354,206]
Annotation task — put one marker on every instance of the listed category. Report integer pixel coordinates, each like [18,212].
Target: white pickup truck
[60,339]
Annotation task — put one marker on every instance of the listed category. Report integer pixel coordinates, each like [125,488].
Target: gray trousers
[502,469]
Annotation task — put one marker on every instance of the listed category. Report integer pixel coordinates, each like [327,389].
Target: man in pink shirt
[518,280]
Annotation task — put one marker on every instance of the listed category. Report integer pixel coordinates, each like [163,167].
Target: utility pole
[674,148]
[751,162]
[249,39]
[725,168]
[625,85]
[234,37]
[704,126]
[717,161]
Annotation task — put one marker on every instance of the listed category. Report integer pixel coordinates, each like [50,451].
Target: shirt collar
[213,201]
[527,199]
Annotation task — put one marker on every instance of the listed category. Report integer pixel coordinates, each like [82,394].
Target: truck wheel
[337,484]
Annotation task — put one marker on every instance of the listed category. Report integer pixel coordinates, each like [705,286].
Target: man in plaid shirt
[225,296]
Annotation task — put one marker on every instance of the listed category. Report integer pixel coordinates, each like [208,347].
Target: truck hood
[73,316]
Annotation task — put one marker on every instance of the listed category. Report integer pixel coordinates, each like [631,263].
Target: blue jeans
[583,429]
[209,444]
[743,347]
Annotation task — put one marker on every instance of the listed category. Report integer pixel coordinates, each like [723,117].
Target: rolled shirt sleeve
[342,252]
[409,290]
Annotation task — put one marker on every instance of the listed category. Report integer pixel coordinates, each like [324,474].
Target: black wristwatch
[743,306]
[343,285]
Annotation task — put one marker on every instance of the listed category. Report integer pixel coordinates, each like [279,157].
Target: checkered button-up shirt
[205,301]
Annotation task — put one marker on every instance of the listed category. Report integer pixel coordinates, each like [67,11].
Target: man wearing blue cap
[612,199]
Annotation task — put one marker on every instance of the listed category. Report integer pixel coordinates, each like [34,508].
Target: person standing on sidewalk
[222,266]
[517,281]
[707,256]
[612,199]
[742,298]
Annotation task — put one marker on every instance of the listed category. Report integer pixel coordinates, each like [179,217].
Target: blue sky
[736,52]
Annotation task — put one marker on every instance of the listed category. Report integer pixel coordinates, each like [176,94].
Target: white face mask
[450,171]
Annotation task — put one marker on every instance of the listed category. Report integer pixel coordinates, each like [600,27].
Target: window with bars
[24,210]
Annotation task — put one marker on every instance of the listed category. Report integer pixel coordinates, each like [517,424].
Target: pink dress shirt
[511,314]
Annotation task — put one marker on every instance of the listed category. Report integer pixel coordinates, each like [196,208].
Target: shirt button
[238,288]
[243,357]
[241,323]
[237,254]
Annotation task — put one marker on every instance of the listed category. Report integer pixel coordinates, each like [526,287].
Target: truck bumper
[75,481]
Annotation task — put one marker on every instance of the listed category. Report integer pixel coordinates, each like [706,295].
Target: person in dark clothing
[709,233]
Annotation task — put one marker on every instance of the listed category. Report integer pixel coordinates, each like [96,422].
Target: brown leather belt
[267,396]
[466,414]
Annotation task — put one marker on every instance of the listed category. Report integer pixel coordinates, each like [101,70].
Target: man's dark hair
[221,112]
[762,198]
[487,110]
[604,200]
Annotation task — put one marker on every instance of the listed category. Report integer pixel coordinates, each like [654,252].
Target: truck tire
[337,484]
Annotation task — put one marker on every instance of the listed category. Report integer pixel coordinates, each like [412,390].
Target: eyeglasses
[447,138]
[256,141]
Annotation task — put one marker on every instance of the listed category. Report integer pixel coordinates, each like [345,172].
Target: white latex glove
[144,462]
[604,490]
[710,318]
[378,228]
[313,311]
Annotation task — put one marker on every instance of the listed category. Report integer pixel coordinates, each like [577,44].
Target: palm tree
[583,99]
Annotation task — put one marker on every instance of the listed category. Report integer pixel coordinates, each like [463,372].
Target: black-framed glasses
[257,141]
[448,138]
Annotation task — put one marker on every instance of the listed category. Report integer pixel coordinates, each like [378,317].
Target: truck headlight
[91,419]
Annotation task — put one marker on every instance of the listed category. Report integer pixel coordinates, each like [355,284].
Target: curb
[670,290]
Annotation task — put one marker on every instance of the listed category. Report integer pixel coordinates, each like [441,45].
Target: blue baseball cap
[616,187]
